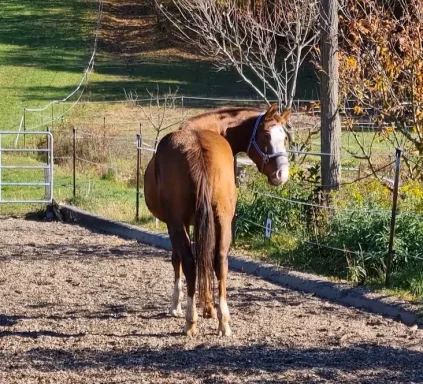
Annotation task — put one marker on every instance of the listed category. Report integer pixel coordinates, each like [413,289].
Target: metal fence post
[104,136]
[1,174]
[24,127]
[137,201]
[74,163]
[47,175]
[236,170]
[234,219]
[391,251]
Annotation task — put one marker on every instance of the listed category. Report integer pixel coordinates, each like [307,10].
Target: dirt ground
[81,307]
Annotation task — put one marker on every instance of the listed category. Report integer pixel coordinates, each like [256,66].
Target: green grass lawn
[44,47]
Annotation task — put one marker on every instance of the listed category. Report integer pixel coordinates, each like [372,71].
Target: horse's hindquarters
[175,187]
[151,191]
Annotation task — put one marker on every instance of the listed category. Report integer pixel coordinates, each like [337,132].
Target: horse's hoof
[176,312]
[190,329]
[224,330]
[209,313]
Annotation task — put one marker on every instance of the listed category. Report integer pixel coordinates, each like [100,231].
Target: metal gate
[47,166]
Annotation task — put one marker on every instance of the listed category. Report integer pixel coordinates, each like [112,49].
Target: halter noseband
[266,157]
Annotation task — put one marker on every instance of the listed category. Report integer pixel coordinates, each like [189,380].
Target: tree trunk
[329,77]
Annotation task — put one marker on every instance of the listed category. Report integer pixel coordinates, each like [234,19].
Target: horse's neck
[235,127]
[239,134]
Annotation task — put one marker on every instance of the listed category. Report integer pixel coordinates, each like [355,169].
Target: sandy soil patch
[82,307]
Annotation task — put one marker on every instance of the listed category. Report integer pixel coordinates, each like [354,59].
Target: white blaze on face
[277,142]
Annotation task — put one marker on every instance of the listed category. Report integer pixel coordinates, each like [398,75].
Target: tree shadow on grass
[190,77]
[47,35]
[57,38]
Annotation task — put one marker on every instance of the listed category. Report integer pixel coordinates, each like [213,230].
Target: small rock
[344,338]
[374,322]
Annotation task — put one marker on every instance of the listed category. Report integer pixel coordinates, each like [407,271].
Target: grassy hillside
[45,46]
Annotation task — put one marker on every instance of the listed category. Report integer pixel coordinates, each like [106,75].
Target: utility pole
[329,80]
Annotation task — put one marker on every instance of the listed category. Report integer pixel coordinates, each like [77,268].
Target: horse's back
[209,122]
[180,151]
[218,120]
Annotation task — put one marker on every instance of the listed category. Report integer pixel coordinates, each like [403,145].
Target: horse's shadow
[9,320]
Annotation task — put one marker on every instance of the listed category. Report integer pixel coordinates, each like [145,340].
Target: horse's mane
[220,119]
[231,111]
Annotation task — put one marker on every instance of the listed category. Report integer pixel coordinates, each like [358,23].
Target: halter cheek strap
[266,157]
[253,136]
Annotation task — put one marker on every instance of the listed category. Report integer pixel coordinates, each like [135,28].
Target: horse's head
[267,145]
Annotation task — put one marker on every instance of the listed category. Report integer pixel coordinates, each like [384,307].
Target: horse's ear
[271,112]
[283,119]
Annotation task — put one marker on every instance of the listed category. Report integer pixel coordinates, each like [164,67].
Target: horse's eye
[267,136]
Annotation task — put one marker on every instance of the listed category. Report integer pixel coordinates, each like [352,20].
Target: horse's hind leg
[175,308]
[181,245]
[209,311]
[223,242]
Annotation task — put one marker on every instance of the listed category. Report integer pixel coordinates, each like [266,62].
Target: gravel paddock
[83,307]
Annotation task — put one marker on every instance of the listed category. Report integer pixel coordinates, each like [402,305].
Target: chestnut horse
[190,180]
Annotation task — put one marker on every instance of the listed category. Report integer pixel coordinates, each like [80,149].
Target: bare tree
[161,111]
[265,42]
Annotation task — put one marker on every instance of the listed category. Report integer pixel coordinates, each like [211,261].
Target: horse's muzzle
[280,176]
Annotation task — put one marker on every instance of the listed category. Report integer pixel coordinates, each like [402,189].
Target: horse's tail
[204,226]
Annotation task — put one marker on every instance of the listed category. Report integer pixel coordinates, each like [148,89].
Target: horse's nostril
[281,175]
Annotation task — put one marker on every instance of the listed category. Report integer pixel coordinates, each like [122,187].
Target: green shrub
[349,241]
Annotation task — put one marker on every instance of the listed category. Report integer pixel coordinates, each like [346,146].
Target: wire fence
[138,117]
[393,212]
[105,144]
